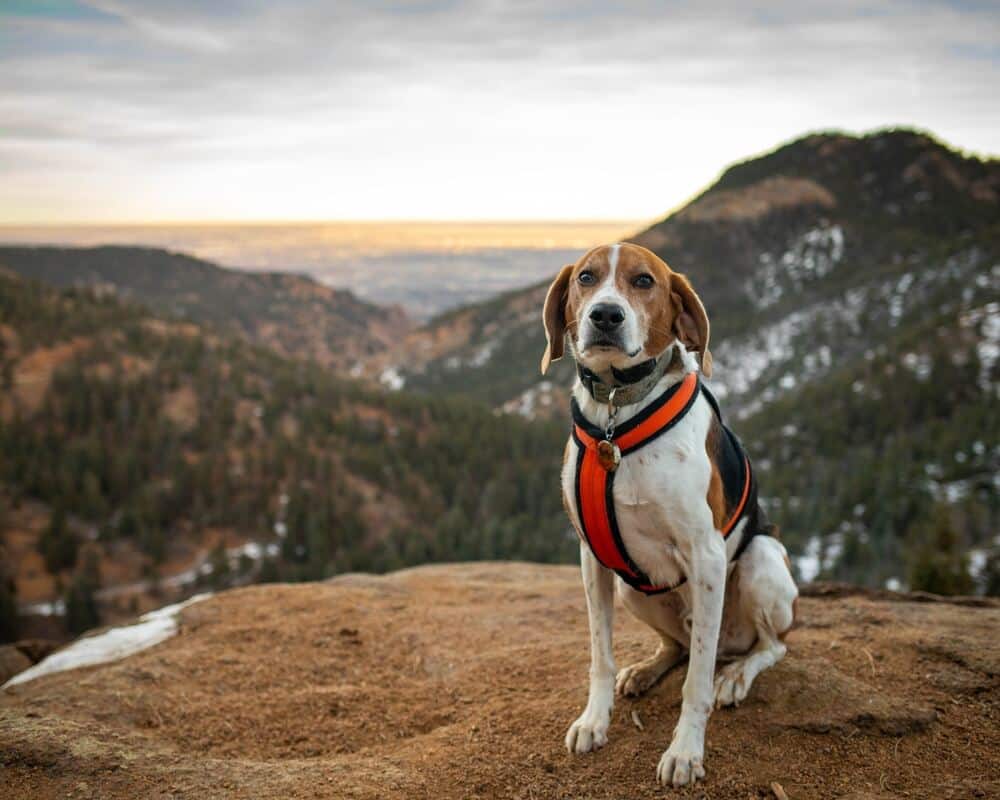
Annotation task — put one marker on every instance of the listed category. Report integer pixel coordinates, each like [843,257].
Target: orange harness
[595,484]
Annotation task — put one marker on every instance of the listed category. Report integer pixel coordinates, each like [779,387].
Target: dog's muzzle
[605,326]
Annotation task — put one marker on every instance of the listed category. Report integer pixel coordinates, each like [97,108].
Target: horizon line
[334,221]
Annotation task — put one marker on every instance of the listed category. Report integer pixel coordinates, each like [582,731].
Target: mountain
[292,314]
[853,284]
[488,351]
[768,245]
[459,681]
[144,456]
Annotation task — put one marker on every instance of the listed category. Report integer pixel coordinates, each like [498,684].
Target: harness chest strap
[594,484]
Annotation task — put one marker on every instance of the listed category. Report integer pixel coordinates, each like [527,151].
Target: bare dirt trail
[460,681]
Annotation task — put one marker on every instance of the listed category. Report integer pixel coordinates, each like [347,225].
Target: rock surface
[460,680]
[12,661]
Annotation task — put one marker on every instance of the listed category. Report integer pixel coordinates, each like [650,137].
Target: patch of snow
[392,378]
[835,546]
[919,364]
[951,492]
[111,645]
[530,400]
[744,363]
[977,562]
[812,255]
[484,353]
[808,564]
[55,608]
[987,318]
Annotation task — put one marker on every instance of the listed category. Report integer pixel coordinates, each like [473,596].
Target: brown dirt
[754,201]
[460,681]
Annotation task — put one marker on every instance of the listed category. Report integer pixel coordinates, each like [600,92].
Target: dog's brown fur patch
[716,493]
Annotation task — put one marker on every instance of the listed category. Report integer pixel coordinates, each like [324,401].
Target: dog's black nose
[607,317]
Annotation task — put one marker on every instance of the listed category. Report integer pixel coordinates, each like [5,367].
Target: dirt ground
[460,681]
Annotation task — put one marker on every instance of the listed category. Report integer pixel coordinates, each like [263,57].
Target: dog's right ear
[554,317]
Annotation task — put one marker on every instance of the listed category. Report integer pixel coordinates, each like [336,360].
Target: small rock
[36,649]
[12,661]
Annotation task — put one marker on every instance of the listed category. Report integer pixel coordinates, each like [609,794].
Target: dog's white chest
[658,490]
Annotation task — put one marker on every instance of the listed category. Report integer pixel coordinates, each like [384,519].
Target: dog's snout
[607,317]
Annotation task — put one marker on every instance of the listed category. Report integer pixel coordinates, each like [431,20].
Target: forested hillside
[142,440]
[853,284]
[292,314]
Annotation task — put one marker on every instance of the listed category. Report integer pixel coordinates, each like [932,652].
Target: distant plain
[427,267]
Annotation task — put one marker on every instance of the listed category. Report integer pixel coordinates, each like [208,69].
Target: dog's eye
[587,278]
[643,281]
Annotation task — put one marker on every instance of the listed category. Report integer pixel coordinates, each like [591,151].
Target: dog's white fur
[732,610]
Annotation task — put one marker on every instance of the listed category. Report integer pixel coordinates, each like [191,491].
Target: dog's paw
[636,679]
[680,766]
[589,732]
[731,685]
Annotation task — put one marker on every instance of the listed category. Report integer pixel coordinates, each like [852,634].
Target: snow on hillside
[111,645]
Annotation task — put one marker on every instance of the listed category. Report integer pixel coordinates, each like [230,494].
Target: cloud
[422,109]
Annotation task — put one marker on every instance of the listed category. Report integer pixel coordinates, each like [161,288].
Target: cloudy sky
[114,110]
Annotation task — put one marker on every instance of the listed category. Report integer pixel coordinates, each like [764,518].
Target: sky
[119,111]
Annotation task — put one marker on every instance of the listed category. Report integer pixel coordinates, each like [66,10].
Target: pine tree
[9,621]
[58,544]
[221,571]
[991,575]
[82,612]
[940,565]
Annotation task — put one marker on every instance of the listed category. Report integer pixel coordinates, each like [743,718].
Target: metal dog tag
[608,455]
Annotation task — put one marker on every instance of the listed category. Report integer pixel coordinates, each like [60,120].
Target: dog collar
[631,385]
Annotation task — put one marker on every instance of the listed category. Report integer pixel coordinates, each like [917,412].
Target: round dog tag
[608,455]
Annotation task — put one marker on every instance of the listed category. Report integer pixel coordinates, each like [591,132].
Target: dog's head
[622,305]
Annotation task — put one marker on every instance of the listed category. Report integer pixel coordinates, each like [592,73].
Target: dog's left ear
[690,321]
[554,317]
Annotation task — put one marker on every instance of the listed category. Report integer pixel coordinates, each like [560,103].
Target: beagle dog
[663,499]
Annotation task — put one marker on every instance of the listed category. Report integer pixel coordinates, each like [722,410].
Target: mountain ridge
[717,244]
[291,313]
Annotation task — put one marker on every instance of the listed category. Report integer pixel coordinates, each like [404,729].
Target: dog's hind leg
[637,678]
[767,600]
[660,614]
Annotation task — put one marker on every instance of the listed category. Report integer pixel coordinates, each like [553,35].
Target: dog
[663,499]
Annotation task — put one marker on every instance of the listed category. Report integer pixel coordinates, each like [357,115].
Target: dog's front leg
[682,763]
[590,731]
